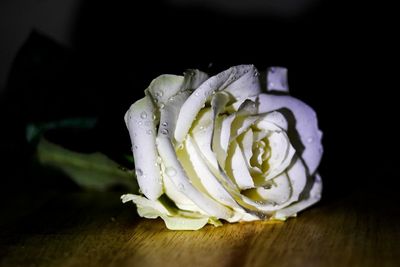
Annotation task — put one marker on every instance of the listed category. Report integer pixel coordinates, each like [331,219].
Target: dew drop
[170,171]
[149,132]
[181,187]
[159,94]
[256,74]
[180,147]
[171,98]
[143,115]
[196,94]
[139,172]
[154,117]
[164,131]
[310,140]
[162,106]
[165,124]
[201,128]
[140,123]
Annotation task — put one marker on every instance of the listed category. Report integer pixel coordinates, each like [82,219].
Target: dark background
[340,58]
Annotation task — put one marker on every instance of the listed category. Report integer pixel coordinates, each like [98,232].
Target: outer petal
[218,82]
[313,197]
[140,123]
[166,86]
[277,79]
[178,176]
[305,124]
[174,220]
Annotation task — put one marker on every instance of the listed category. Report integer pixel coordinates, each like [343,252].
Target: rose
[222,148]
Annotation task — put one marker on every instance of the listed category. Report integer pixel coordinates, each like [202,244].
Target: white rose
[222,147]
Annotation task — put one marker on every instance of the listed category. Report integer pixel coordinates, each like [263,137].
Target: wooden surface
[95,229]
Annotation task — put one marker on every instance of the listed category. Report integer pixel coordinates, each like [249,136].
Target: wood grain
[95,229]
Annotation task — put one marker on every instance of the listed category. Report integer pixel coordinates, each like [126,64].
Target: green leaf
[90,171]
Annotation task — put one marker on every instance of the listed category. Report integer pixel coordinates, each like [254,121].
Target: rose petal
[274,117]
[277,79]
[207,178]
[305,123]
[164,86]
[246,144]
[180,199]
[279,191]
[237,169]
[218,82]
[178,176]
[174,221]
[248,83]
[313,197]
[140,123]
[282,153]
[169,114]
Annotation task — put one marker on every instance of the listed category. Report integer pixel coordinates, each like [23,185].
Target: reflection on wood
[93,229]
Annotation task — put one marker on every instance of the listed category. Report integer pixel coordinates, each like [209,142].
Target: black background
[340,58]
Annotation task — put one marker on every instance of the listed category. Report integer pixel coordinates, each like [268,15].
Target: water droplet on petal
[165,124]
[162,106]
[310,139]
[140,123]
[143,115]
[256,74]
[149,132]
[170,171]
[196,94]
[201,128]
[135,146]
[181,187]
[180,147]
[154,117]
[139,172]
[164,131]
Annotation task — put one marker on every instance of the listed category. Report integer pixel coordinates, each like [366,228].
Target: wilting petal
[140,123]
[305,123]
[174,219]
